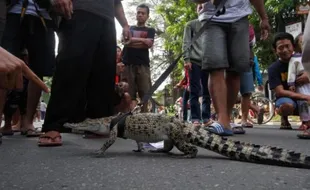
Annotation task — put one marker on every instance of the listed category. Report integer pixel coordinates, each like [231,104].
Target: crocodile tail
[246,152]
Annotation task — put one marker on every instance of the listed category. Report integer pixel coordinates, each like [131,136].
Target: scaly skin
[149,127]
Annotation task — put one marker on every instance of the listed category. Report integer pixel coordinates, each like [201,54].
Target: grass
[277,118]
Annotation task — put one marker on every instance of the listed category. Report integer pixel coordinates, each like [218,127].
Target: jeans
[198,83]
[184,104]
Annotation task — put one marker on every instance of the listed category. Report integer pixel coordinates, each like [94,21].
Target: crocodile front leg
[108,143]
[139,146]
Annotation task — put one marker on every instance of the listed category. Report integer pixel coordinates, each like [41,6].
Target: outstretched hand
[12,70]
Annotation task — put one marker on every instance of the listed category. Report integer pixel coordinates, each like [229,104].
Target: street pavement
[24,165]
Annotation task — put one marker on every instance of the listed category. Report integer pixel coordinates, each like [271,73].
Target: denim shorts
[246,83]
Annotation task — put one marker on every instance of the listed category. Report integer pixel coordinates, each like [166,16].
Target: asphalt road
[73,166]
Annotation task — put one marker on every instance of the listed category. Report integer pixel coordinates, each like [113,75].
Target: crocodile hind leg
[139,146]
[188,150]
[108,143]
[168,146]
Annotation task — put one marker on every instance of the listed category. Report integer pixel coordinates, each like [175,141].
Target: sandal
[247,125]
[208,123]
[51,138]
[219,129]
[286,127]
[237,129]
[31,133]
[303,127]
[304,135]
[196,123]
[6,132]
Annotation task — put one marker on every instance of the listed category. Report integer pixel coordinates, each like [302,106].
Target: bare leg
[2,103]
[233,87]
[218,92]
[245,106]
[285,110]
[34,94]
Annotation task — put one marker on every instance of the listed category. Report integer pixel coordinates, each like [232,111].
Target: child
[295,68]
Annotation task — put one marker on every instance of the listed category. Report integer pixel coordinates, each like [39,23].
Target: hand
[188,88]
[126,35]
[179,85]
[292,88]
[265,28]
[302,79]
[260,88]
[11,71]
[188,65]
[307,98]
[63,7]
[120,67]
[148,42]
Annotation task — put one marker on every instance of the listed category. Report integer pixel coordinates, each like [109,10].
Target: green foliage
[176,14]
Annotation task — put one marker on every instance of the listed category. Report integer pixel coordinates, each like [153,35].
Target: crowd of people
[90,83]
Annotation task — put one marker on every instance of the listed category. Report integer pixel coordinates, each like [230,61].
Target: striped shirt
[235,10]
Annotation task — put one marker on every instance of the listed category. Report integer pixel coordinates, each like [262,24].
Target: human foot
[51,138]
[28,129]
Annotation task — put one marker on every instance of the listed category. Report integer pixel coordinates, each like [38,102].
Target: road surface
[73,166]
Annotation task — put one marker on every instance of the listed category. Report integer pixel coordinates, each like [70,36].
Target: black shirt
[277,75]
[138,56]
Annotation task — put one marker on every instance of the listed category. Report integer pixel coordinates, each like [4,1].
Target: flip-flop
[52,136]
[196,123]
[303,127]
[31,133]
[218,129]
[7,133]
[208,123]
[286,127]
[247,125]
[304,135]
[237,129]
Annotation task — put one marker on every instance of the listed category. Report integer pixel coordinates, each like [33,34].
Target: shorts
[138,78]
[31,34]
[226,46]
[246,83]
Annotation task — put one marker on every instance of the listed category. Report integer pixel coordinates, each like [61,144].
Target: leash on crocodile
[220,9]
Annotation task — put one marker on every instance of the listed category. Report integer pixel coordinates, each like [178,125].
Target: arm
[186,42]
[139,42]
[257,72]
[276,85]
[120,14]
[143,42]
[260,8]
[264,23]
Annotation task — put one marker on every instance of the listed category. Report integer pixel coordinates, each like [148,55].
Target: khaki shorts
[138,78]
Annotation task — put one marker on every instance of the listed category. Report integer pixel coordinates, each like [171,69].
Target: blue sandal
[218,129]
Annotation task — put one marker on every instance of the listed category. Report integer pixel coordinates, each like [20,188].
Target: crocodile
[153,127]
